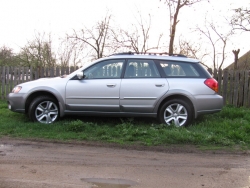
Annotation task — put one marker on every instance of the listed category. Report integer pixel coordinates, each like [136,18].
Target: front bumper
[16,102]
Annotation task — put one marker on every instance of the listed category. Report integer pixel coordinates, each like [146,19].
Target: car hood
[50,82]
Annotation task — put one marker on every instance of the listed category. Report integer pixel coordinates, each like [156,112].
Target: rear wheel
[44,109]
[177,112]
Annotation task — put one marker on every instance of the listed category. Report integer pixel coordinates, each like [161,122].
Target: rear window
[179,69]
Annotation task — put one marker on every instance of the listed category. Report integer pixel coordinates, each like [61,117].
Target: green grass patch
[228,129]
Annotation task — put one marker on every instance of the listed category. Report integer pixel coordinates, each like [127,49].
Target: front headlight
[16,89]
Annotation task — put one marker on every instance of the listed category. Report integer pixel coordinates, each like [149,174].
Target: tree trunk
[173,29]
[236,57]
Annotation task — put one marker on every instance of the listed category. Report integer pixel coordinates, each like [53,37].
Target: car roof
[158,56]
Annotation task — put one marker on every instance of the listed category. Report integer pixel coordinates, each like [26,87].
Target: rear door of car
[141,87]
[184,77]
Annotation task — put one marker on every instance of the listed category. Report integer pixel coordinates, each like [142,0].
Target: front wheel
[177,112]
[44,109]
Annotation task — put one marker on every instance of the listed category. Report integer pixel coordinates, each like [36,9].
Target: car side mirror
[80,75]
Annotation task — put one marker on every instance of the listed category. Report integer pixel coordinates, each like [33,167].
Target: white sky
[20,19]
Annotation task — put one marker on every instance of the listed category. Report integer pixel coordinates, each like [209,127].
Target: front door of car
[141,87]
[98,91]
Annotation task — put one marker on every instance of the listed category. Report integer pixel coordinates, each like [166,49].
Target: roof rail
[149,53]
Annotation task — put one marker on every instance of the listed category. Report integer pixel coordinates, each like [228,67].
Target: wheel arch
[35,94]
[177,96]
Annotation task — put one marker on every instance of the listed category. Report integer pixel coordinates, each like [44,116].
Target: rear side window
[139,68]
[179,69]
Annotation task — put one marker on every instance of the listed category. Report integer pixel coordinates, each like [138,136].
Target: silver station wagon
[174,89]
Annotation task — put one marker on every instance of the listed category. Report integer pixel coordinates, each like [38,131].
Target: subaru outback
[174,89]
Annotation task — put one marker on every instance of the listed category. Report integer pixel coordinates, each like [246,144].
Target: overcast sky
[20,19]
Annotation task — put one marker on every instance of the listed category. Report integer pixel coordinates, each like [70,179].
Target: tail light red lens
[212,83]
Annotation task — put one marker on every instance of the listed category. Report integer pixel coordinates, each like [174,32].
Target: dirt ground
[42,164]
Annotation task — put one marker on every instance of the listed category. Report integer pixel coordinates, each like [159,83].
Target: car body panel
[93,95]
[17,102]
[204,99]
[54,86]
[140,95]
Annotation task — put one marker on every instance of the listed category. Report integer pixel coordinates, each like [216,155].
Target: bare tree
[97,38]
[218,43]
[193,50]
[38,52]
[6,56]
[174,7]
[69,53]
[241,19]
[137,37]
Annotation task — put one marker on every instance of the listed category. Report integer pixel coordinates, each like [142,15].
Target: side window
[139,68]
[105,70]
[179,69]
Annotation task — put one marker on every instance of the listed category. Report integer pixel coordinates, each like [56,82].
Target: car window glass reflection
[105,70]
[141,69]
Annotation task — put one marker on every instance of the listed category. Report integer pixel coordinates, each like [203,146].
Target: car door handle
[111,85]
[159,85]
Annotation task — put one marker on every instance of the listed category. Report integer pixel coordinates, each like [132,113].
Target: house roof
[243,62]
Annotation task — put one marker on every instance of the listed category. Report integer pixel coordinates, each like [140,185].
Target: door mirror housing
[80,75]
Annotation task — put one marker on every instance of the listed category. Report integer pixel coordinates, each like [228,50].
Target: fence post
[71,69]
[37,73]
[236,88]
[27,72]
[220,80]
[57,71]
[1,79]
[47,72]
[11,78]
[3,83]
[62,71]
[248,80]
[15,76]
[246,97]
[22,73]
[225,84]
[7,88]
[67,70]
[42,72]
[31,73]
[241,88]
[52,72]
[231,86]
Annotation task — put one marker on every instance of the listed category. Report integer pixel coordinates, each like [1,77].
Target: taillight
[212,83]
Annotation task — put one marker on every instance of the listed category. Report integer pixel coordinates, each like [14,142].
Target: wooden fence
[11,76]
[234,86]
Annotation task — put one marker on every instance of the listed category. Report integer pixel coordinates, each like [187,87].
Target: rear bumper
[207,104]
[16,102]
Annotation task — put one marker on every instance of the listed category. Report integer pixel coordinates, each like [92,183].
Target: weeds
[229,128]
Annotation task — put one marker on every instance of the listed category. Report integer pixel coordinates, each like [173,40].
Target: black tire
[44,109]
[177,112]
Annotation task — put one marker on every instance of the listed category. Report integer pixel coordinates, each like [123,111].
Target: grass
[228,129]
